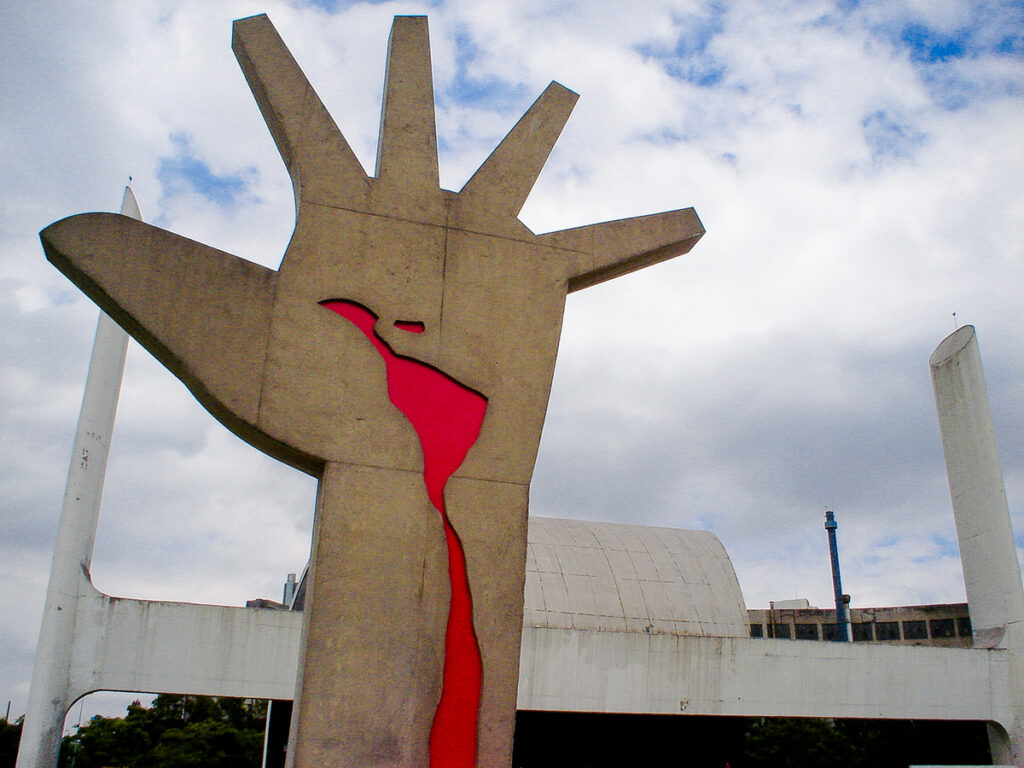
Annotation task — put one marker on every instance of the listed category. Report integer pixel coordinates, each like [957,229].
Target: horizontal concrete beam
[588,671]
[134,645]
[137,645]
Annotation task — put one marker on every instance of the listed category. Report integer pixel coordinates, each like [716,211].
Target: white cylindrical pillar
[987,551]
[988,554]
[48,696]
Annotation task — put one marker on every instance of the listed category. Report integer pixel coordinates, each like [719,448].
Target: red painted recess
[447,417]
[412,326]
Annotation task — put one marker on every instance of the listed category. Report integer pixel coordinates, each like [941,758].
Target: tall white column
[988,554]
[48,697]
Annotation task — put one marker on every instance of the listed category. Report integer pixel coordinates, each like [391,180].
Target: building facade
[944,625]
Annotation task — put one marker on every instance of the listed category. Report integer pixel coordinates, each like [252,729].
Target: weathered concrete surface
[592,671]
[212,650]
[297,381]
[345,633]
[995,596]
[630,578]
[987,552]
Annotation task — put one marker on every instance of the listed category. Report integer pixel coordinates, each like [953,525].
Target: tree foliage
[800,743]
[175,732]
[789,742]
[10,735]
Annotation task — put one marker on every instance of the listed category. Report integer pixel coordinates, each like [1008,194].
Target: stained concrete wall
[591,671]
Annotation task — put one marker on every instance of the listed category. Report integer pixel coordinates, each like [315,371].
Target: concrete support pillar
[987,551]
[50,692]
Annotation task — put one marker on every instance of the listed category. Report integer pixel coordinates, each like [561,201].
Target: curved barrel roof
[630,578]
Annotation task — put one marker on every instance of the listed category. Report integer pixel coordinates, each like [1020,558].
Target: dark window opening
[915,630]
[887,630]
[806,631]
[862,633]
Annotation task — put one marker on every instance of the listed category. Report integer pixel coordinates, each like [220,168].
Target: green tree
[205,744]
[784,742]
[109,741]
[175,732]
[788,742]
[10,735]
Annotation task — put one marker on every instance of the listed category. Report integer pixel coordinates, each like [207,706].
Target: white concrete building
[618,619]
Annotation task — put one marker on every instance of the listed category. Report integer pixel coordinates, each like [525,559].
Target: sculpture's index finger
[501,185]
[319,159]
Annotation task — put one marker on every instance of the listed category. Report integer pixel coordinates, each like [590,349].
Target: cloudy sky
[857,166]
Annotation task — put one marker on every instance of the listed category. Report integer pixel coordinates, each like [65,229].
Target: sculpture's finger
[600,252]
[501,185]
[203,313]
[407,148]
[321,162]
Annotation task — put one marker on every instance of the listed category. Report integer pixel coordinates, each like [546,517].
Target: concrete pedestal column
[987,551]
[48,700]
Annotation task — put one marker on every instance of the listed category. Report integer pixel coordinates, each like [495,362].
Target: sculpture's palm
[263,354]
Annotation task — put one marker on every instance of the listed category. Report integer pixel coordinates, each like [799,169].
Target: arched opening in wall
[164,731]
[190,512]
[592,740]
[999,744]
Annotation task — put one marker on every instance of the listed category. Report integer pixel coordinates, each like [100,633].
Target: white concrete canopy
[671,664]
[624,672]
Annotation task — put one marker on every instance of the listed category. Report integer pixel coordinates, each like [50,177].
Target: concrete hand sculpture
[402,354]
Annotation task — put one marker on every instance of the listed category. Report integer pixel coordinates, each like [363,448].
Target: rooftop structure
[628,578]
[943,625]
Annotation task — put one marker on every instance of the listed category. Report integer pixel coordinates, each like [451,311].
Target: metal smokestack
[842,632]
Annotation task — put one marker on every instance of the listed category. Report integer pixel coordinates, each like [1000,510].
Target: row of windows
[870,631]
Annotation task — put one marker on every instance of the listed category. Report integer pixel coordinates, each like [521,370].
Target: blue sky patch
[466,88]
[996,29]
[940,56]
[695,32]
[689,59]
[496,93]
[64,297]
[929,46]
[185,171]
[332,6]
[889,138]
[1011,45]
[704,74]
[947,547]
[948,90]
